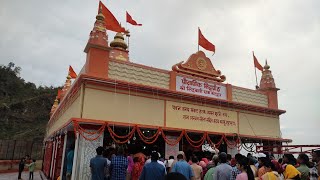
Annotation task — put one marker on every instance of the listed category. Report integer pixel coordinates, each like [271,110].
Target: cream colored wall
[109,106]
[259,125]
[249,97]
[201,119]
[138,75]
[72,112]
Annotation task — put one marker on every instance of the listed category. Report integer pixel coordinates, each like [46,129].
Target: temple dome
[119,42]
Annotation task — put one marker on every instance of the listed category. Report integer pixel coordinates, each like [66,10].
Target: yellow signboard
[188,116]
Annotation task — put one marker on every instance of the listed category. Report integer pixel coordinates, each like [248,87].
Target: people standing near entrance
[197,170]
[271,171]
[262,169]
[21,167]
[212,168]
[153,170]
[168,163]
[138,167]
[70,156]
[106,155]
[31,167]
[235,169]
[315,170]
[290,172]
[174,162]
[181,166]
[130,167]
[119,165]
[223,170]
[253,167]
[303,159]
[244,167]
[98,165]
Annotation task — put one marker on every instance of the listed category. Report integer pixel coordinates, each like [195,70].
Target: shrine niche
[200,66]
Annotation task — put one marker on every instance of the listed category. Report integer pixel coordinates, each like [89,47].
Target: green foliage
[24,107]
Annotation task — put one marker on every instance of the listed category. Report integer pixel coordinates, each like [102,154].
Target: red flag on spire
[256,63]
[72,73]
[112,23]
[203,42]
[131,21]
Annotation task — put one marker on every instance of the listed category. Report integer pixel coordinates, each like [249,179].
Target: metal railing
[17,149]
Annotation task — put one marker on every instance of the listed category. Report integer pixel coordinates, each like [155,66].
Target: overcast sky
[44,37]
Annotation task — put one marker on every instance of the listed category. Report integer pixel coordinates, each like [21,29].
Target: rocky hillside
[24,107]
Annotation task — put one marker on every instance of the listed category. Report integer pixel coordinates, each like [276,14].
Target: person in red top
[137,167]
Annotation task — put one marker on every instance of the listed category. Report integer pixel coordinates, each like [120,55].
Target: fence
[16,149]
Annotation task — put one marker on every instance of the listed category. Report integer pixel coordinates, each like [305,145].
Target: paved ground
[14,176]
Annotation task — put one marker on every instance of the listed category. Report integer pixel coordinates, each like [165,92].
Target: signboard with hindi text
[202,118]
[197,87]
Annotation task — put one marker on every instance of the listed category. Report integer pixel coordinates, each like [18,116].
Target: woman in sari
[139,161]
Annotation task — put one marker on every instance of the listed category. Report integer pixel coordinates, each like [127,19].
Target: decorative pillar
[86,151]
[47,157]
[52,157]
[75,156]
[63,153]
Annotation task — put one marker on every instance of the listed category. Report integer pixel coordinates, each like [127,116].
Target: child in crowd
[31,167]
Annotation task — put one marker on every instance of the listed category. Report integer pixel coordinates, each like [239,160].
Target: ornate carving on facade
[199,65]
[249,97]
[138,75]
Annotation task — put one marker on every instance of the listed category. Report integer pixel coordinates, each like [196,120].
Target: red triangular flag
[256,63]
[112,23]
[72,73]
[59,94]
[203,42]
[131,21]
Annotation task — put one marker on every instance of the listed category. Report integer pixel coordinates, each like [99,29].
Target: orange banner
[188,116]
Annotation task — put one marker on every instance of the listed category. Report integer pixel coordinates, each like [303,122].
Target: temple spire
[97,48]
[98,35]
[268,86]
[54,106]
[267,80]
[66,87]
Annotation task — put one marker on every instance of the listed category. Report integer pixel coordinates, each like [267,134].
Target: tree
[24,107]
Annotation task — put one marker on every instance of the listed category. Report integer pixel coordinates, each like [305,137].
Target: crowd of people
[116,165]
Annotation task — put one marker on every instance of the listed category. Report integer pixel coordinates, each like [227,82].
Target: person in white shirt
[160,162]
[168,163]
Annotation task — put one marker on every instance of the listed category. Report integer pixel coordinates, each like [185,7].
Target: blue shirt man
[119,165]
[98,165]
[70,161]
[223,171]
[70,156]
[153,170]
[181,166]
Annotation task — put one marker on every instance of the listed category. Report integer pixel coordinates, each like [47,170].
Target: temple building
[115,102]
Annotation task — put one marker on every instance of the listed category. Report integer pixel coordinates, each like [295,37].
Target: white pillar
[74,167]
[63,153]
[52,157]
[55,157]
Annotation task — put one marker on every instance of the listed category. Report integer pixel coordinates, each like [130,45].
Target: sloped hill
[24,107]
